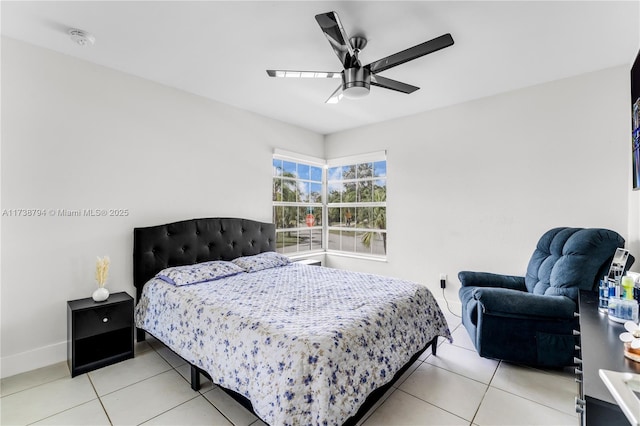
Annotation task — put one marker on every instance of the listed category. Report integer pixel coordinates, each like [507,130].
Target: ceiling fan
[356,78]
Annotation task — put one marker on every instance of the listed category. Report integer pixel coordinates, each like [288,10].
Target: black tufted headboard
[196,240]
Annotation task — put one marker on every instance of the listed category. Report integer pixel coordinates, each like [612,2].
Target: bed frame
[200,240]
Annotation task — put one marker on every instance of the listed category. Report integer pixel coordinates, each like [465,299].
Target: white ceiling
[220,50]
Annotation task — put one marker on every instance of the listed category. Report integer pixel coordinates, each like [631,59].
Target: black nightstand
[99,333]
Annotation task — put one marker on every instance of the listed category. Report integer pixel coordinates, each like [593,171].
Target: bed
[301,344]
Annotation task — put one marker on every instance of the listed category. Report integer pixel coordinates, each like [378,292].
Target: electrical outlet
[443,280]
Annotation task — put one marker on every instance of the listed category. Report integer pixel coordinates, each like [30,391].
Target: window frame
[353,206]
[326,228]
[298,204]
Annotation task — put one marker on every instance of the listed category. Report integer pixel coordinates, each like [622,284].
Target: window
[297,205]
[339,207]
[357,206]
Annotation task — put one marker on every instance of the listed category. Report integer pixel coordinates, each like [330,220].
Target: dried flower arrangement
[102,270]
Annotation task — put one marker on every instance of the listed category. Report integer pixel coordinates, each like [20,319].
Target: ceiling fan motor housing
[356,82]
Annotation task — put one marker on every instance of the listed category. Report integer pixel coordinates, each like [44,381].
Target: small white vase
[101,294]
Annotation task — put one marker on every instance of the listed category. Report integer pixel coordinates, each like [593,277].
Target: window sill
[357,256]
[305,255]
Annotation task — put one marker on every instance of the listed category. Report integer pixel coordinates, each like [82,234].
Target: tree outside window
[297,206]
[355,207]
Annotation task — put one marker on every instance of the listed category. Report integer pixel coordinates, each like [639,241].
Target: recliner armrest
[508,302]
[487,279]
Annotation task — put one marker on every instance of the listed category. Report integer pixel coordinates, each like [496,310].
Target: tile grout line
[155,375]
[524,397]
[136,382]
[453,372]
[378,405]
[34,386]
[199,393]
[166,411]
[462,375]
[485,392]
[214,387]
[99,399]
[432,404]
[131,384]
[531,400]
[75,406]
[536,370]
[221,413]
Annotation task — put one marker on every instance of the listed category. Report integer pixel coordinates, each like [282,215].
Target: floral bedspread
[305,344]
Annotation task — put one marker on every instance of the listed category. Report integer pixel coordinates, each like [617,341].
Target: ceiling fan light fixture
[356,82]
[355,92]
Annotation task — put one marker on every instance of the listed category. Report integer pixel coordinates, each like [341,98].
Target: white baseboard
[35,358]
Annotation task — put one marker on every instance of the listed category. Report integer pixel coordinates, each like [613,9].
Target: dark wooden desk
[600,347]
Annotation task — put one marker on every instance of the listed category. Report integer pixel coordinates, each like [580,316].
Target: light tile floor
[456,387]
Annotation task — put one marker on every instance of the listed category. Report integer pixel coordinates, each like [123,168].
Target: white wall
[81,136]
[474,186]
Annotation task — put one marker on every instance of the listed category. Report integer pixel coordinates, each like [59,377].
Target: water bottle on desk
[613,288]
[603,296]
[624,307]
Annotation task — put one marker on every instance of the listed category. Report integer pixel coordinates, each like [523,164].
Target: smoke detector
[81,38]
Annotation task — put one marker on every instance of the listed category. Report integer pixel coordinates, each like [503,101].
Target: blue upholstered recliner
[530,319]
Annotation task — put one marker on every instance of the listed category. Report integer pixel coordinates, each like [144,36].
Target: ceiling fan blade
[387,83]
[335,33]
[304,74]
[411,53]
[335,96]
